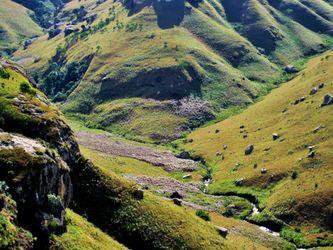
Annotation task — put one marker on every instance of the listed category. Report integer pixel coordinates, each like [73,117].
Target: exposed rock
[302,99]
[222,231]
[242,126]
[312,154]
[187,176]
[290,69]
[176,195]
[313,91]
[311,148]
[184,155]
[138,194]
[249,149]
[321,85]
[217,131]
[70,29]
[263,170]
[318,128]
[240,182]
[177,202]
[276,136]
[328,100]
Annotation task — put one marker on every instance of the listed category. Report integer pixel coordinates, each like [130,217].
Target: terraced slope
[16,25]
[290,169]
[137,57]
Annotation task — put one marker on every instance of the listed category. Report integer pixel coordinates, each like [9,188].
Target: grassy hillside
[16,25]
[209,50]
[83,235]
[289,182]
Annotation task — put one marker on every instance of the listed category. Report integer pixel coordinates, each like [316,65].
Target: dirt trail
[165,159]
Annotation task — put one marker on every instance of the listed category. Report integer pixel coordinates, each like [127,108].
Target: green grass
[81,234]
[16,25]
[280,194]
[229,68]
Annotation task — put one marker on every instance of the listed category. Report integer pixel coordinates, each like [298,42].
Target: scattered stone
[222,231]
[218,154]
[276,136]
[177,202]
[302,99]
[328,100]
[138,194]
[311,148]
[312,154]
[263,170]
[285,110]
[249,149]
[282,139]
[176,195]
[255,165]
[70,29]
[245,136]
[317,129]
[313,91]
[321,85]
[217,131]
[187,176]
[184,155]
[296,102]
[189,140]
[267,149]
[240,182]
[290,69]
[242,126]
[225,147]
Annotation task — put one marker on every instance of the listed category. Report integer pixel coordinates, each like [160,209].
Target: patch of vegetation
[203,215]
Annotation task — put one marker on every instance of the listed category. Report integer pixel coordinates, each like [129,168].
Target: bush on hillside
[203,215]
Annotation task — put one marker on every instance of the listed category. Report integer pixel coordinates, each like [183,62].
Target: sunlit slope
[224,52]
[281,173]
[16,25]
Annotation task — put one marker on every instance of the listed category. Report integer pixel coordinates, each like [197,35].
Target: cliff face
[37,152]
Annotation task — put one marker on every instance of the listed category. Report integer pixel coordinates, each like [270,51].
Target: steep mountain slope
[15,26]
[223,52]
[43,171]
[290,169]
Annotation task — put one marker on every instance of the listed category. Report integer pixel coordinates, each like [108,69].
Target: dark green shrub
[4,74]
[203,215]
[26,88]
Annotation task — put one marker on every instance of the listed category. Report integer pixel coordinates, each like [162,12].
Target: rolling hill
[16,25]
[135,58]
[289,170]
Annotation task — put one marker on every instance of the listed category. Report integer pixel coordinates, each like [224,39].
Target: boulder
[263,170]
[187,176]
[313,91]
[242,126]
[184,155]
[328,100]
[321,85]
[138,194]
[222,231]
[317,129]
[311,148]
[290,69]
[70,29]
[276,136]
[225,147]
[217,131]
[176,195]
[249,149]
[302,99]
[239,182]
[177,202]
